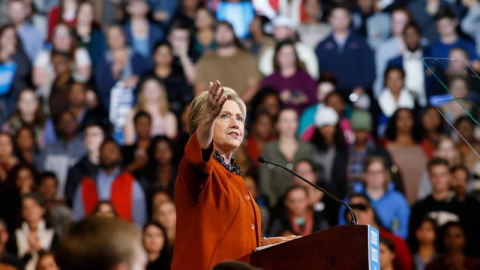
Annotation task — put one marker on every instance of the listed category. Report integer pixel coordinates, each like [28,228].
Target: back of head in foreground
[101,243]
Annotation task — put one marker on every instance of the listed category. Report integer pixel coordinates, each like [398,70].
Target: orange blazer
[217,217]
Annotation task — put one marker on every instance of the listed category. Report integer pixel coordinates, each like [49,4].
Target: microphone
[335,198]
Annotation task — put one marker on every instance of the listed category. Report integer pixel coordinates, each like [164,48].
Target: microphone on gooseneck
[335,198]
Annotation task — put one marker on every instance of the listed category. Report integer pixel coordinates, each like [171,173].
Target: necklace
[232,167]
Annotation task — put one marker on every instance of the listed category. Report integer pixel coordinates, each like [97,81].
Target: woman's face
[447,150]
[271,105]
[375,175]
[163,56]
[62,41]
[8,40]
[394,81]
[263,126]
[105,210]
[465,128]
[93,138]
[328,132]
[386,256]
[31,210]
[399,21]
[286,56]
[287,123]
[153,239]
[431,120]
[48,263]
[24,181]
[85,14]
[404,121]
[6,146]
[459,88]
[163,153]
[27,103]
[297,202]
[151,91]
[115,38]
[337,103]
[454,239]
[167,215]
[25,141]
[425,234]
[229,127]
[203,19]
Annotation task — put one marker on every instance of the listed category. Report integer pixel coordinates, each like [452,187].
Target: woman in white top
[394,95]
[63,42]
[33,237]
[152,98]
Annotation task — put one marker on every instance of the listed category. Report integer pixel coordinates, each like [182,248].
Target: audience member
[404,147]
[120,66]
[454,240]
[186,12]
[260,38]
[26,147]
[93,136]
[33,237]
[47,262]
[469,23]
[7,157]
[287,149]
[267,99]
[111,183]
[88,33]
[313,30]
[466,143]
[204,36]
[410,60]
[78,105]
[64,12]
[432,126]
[424,12]
[460,105]
[366,216]
[391,47]
[299,218]
[135,156]
[63,43]
[346,55]
[31,40]
[284,29]
[331,151]
[172,75]
[441,204]
[295,87]
[94,244]
[160,172]
[387,254]
[155,242]
[63,154]
[152,98]
[13,58]
[7,260]
[184,56]
[424,248]
[390,205]
[261,132]
[163,11]
[242,76]
[28,113]
[370,23]
[362,148]
[165,214]
[444,148]
[105,209]
[141,34]
[58,214]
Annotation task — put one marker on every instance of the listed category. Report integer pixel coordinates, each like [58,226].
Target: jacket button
[253,227]
[247,197]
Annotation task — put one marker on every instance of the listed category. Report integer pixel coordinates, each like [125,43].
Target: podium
[351,247]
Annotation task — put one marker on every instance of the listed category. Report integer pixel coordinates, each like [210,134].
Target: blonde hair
[199,105]
[163,104]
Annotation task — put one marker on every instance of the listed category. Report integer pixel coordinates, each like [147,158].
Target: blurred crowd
[373,100]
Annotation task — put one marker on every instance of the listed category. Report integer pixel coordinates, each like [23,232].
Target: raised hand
[215,99]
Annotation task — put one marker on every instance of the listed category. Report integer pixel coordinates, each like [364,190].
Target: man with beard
[111,183]
[230,64]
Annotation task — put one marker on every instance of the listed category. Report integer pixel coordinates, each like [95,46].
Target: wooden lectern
[339,248]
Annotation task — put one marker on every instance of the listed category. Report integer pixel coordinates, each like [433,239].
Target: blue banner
[7,74]
[373,248]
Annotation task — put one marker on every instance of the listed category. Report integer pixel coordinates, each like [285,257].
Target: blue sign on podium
[373,248]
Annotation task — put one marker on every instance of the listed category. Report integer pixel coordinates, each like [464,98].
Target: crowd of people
[373,100]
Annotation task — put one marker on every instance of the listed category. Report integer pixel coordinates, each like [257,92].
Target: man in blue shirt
[113,184]
[31,40]
[447,23]
[346,55]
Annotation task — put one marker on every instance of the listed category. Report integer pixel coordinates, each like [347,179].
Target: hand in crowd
[34,242]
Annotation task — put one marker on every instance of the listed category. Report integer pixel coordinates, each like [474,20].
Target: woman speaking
[217,218]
